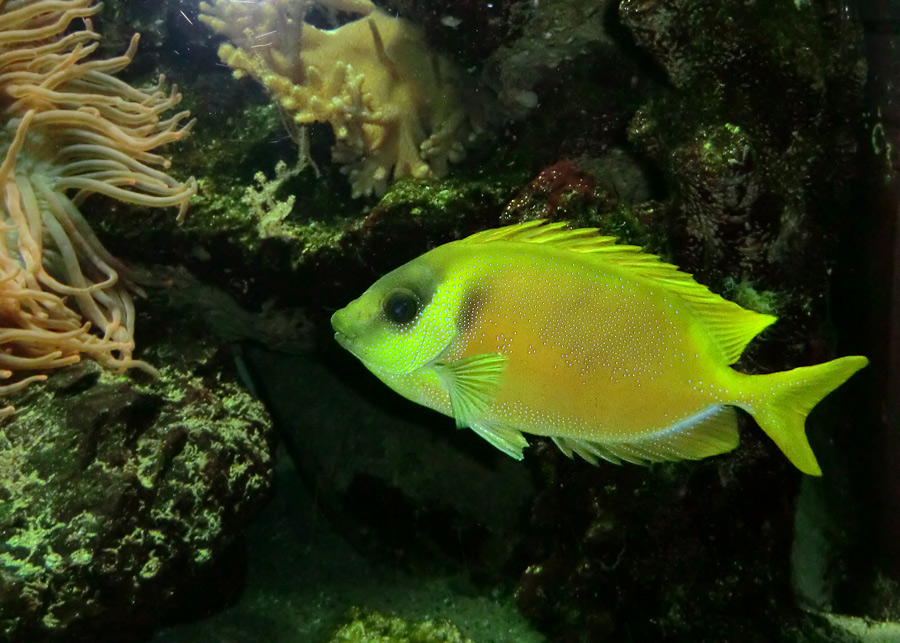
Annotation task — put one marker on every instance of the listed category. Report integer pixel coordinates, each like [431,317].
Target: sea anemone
[70,129]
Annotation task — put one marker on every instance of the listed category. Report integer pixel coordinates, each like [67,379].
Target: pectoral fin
[472,382]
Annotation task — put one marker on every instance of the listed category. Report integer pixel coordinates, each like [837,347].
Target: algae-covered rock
[120,493]
[368,626]
[756,138]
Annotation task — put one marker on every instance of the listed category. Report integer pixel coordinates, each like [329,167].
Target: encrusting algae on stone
[397,108]
[609,351]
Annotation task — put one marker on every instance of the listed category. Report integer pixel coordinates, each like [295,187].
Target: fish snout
[345,327]
[340,321]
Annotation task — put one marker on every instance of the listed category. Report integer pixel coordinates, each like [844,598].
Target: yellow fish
[607,350]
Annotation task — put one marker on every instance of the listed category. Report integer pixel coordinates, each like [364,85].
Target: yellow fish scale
[591,354]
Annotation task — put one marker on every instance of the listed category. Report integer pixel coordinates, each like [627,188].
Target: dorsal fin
[730,326]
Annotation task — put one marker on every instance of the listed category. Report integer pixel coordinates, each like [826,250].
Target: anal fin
[507,439]
[710,432]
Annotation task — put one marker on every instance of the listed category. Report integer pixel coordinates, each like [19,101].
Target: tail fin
[780,403]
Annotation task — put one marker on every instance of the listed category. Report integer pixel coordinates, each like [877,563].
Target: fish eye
[401,306]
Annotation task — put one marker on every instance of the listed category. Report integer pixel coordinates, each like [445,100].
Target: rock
[121,493]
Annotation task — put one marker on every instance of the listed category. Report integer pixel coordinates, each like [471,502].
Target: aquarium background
[265,487]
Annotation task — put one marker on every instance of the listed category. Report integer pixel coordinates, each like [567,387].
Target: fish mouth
[347,344]
[343,340]
[340,324]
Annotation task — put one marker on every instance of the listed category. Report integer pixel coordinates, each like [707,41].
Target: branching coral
[68,130]
[396,107]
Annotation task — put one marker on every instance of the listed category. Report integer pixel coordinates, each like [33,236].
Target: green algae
[452,198]
[861,630]
[743,293]
[369,626]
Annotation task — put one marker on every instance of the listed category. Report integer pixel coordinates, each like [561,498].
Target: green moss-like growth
[368,626]
[458,197]
[743,293]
